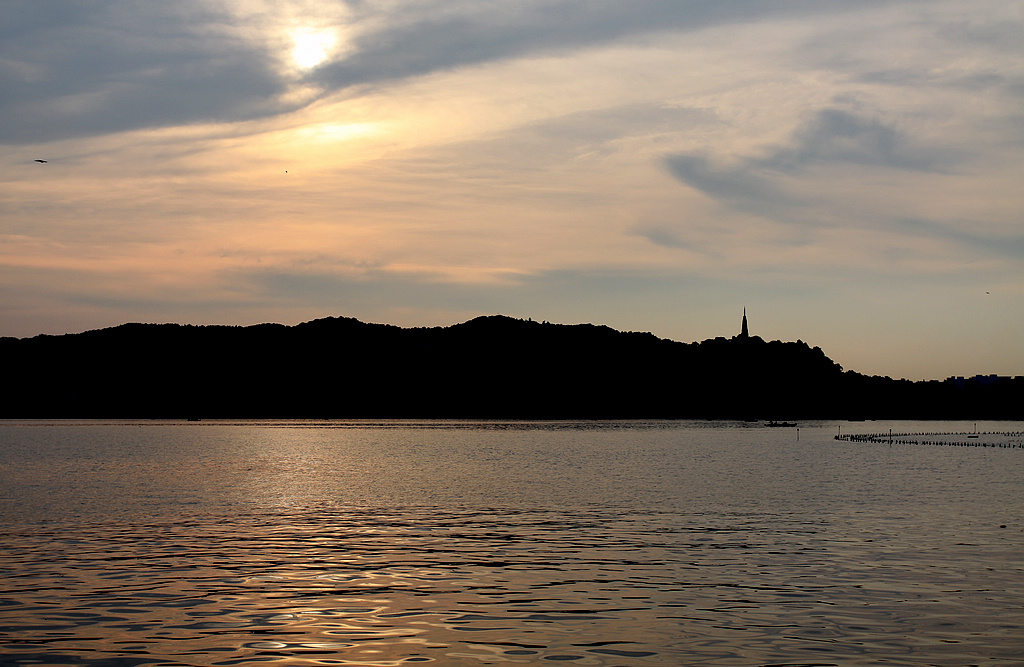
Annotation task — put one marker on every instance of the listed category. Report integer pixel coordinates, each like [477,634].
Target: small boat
[777,424]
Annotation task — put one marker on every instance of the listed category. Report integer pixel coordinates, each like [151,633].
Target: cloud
[745,188]
[457,157]
[72,69]
[434,36]
[838,136]
[559,142]
[781,184]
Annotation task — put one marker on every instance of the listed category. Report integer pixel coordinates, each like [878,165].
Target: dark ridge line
[490,367]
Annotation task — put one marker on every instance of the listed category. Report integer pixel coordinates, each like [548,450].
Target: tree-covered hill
[488,367]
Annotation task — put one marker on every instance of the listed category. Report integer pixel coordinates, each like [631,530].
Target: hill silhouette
[488,367]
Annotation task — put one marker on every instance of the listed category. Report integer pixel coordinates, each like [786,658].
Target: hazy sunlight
[313,46]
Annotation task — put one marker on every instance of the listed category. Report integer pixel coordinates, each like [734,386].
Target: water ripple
[408,585]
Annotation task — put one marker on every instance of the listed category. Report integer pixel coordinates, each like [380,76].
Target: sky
[851,173]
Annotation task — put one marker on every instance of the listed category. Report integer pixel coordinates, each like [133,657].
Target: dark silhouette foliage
[488,367]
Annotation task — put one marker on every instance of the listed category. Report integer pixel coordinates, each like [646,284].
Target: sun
[313,46]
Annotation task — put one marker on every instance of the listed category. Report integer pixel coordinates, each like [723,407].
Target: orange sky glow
[849,173]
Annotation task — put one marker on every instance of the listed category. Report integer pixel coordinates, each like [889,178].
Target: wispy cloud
[783,184]
[838,136]
[72,69]
[651,165]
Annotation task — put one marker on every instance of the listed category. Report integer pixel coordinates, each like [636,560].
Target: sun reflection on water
[388,546]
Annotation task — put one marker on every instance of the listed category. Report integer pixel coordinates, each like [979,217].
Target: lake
[492,543]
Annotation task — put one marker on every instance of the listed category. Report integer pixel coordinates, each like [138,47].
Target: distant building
[743,332]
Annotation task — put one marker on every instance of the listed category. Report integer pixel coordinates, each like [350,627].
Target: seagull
[41,161]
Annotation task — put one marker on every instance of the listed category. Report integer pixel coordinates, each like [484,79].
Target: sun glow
[313,46]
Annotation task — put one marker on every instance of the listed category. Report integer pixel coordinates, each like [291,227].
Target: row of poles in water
[1006,439]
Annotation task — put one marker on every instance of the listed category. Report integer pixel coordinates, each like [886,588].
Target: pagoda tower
[743,332]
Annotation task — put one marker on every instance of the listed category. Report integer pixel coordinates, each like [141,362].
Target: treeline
[489,367]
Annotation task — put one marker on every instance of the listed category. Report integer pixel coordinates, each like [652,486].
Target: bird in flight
[42,161]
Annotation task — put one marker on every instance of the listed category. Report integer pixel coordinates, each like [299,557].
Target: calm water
[466,543]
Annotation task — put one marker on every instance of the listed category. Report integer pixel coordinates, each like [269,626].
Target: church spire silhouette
[743,332]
